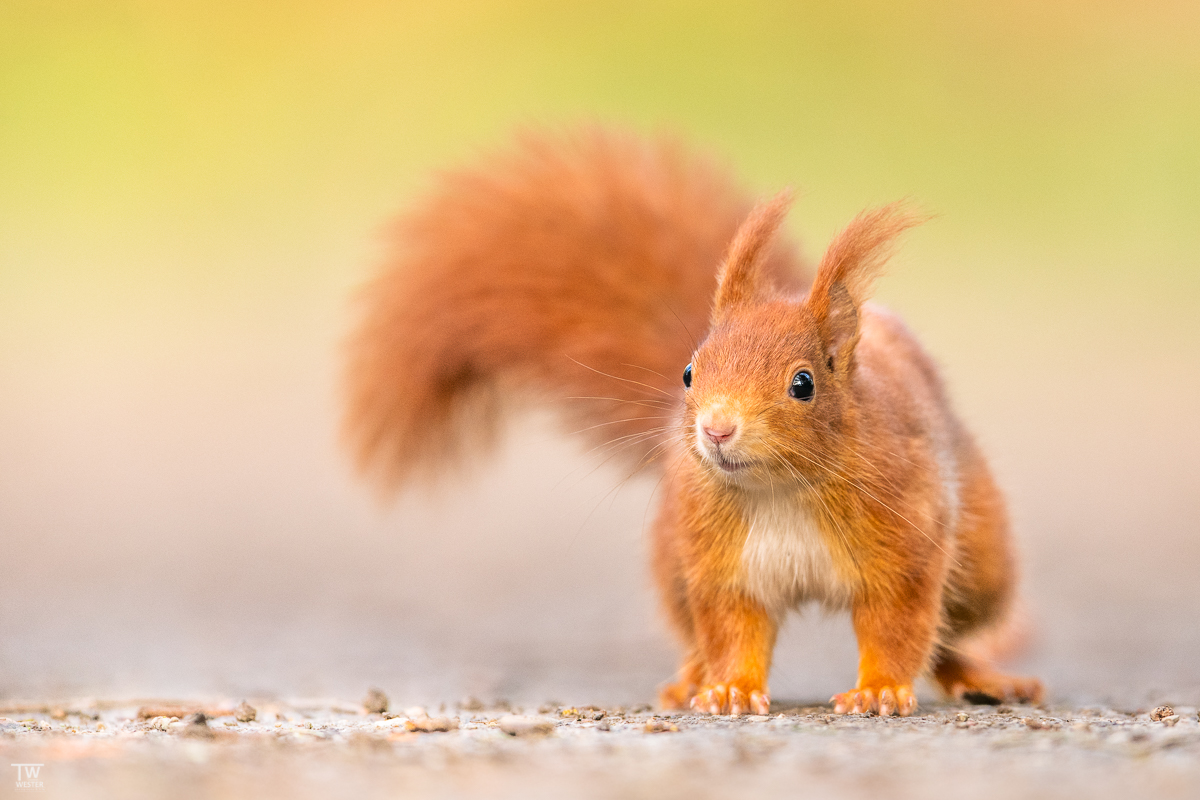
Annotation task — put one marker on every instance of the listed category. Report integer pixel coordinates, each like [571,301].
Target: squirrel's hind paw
[966,679]
[996,688]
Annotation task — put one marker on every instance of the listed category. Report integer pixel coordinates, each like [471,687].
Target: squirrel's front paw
[731,699]
[881,700]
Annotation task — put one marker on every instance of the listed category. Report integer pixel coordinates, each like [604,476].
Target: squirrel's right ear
[739,280]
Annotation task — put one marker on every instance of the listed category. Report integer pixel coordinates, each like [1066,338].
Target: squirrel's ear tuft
[848,270]
[739,280]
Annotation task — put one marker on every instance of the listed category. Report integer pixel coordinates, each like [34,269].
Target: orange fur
[573,268]
[578,267]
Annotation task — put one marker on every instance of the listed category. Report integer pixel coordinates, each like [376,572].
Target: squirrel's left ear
[740,278]
[847,272]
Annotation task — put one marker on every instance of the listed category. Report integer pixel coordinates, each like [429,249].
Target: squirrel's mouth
[729,465]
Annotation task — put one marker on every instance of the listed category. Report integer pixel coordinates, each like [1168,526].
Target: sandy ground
[301,749]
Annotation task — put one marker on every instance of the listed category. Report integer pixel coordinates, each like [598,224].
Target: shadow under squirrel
[808,450]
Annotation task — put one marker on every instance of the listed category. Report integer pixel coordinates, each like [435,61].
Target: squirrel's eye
[687,376]
[802,385]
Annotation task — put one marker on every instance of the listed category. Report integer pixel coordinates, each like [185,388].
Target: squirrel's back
[578,267]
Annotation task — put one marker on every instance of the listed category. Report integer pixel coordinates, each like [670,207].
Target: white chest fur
[785,558]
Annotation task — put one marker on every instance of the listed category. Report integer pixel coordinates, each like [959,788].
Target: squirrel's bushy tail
[578,267]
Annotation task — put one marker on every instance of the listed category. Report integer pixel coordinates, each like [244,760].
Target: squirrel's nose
[719,432]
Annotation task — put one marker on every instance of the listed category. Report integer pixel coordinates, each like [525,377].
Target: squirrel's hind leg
[979,597]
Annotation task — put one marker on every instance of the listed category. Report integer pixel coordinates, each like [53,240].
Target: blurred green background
[190,190]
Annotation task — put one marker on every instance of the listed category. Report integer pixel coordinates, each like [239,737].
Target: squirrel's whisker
[647,402]
[626,380]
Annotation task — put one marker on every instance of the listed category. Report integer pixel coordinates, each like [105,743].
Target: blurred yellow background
[190,190]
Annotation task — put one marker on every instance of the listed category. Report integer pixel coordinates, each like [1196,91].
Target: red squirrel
[808,449]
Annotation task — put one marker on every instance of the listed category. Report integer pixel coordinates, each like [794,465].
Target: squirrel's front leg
[736,636]
[896,633]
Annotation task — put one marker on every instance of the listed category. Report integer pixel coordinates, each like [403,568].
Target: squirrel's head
[769,389]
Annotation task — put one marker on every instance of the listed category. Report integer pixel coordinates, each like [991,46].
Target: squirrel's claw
[859,701]
[885,701]
[712,700]
[722,699]
[755,703]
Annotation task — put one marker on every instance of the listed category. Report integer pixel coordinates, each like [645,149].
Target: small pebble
[392,722]
[661,726]
[1170,721]
[376,702]
[515,725]
[962,716]
[245,712]
[1158,714]
[431,724]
